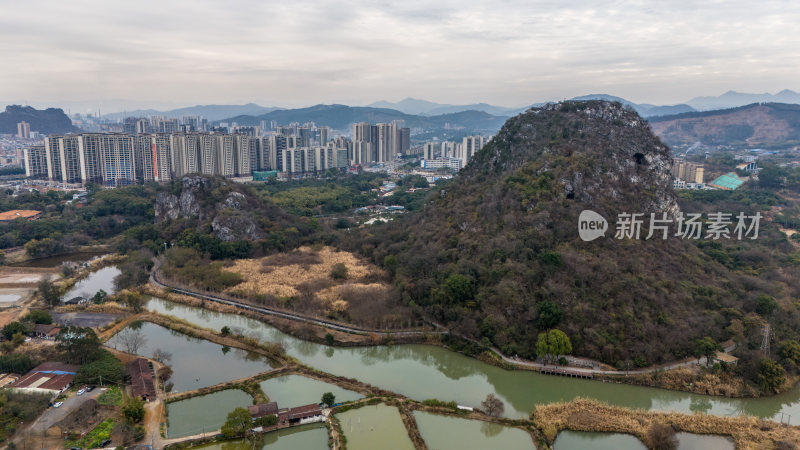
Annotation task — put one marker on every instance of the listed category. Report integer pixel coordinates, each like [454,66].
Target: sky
[174,53]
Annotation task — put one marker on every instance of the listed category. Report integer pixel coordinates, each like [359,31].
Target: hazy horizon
[299,54]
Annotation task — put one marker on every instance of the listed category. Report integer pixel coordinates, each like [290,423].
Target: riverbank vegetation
[590,415]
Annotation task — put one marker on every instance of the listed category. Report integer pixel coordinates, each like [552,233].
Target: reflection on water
[689,441]
[445,432]
[424,371]
[195,362]
[55,261]
[91,285]
[295,390]
[580,440]
[205,413]
[375,426]
[305,437]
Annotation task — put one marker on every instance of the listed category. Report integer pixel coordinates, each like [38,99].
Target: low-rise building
[44,331]
[263,409]
[48,378]
[142,384]
[305,414]
[10,216]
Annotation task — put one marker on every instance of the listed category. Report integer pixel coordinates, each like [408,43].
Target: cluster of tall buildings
[379,143]
[452,155]
[116,159]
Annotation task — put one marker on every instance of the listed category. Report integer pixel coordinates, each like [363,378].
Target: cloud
[301,53]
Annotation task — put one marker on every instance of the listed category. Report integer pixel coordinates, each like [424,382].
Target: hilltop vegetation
[495,253]
[50,120]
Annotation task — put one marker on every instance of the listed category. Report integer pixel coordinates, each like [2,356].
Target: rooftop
[728,182]
[19,214]
[141,379]
[304,411]
[263,409]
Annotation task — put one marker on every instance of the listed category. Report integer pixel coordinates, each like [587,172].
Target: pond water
[375,426]
[196,363]
[295,390]
[91,285]
[580,440]
[9,298]
[205,413]
[305,437]
[446,433]
[425,371]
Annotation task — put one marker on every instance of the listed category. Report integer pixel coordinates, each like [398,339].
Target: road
[52,416]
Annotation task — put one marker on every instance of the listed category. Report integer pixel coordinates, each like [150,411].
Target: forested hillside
[495,254]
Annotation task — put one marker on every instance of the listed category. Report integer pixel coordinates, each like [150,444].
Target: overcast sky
[298,53]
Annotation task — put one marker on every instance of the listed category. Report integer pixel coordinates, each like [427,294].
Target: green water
[304,437]
[197,363]
[374,427]
[451,433]
[689,441]
[206,413]
[580,440]
[424,371]
[295,390]
[92,284]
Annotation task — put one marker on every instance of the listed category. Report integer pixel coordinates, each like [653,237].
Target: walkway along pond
[426,371]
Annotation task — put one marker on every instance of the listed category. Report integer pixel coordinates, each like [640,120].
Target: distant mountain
[755,125]
[341,117]
[426,108]
[51,120]
[210,112]
[732,99]
[644,109]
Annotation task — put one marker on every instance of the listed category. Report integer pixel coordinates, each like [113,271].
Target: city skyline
[279,54]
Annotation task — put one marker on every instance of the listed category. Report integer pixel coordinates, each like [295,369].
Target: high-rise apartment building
[36,162]
[24,130]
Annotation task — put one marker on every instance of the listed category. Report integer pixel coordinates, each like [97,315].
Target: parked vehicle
[81,392]
[57,404]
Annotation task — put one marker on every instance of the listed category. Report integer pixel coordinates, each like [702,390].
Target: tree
[225,330]
[237,423]
[661,437]
[493,406]
[132,300]
[549,314]
[765,305]
[39,317]
[14,328]
[771,376]
[133,410]
[79,344]
[100,297]
[339,271]
[162,356]
[789,351]
[104,369]
[49,293]
[131,339]
[329,339]
[328,399]
[706,347]
[553,343]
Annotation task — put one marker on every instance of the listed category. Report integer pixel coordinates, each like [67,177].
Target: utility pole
[765,341]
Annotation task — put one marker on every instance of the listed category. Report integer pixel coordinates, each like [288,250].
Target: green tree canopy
[79,344]
[553,343]
[770,375]
[237,423]
[328,399]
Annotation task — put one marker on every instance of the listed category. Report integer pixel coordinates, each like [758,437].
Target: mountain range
[341,117]
[51,120]
[210,112]
[754,125]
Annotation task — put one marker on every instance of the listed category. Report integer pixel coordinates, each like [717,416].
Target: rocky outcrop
[199,199]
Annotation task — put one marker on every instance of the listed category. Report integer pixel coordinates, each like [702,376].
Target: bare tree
[132,340]
[493,406]
[162,356]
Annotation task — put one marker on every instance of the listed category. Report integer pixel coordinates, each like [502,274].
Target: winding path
[441,331]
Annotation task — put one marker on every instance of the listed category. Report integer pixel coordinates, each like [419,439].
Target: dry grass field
[589,415]
[306,280]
